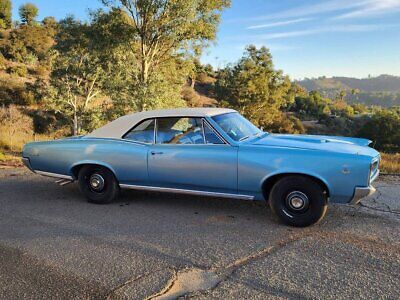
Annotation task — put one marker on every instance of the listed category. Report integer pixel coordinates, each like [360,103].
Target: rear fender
[89,162]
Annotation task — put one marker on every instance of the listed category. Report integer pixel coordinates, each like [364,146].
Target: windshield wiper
[244,138]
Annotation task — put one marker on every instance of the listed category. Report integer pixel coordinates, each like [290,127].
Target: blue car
[211,152]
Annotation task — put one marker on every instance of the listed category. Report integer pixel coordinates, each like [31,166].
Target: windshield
[236,126]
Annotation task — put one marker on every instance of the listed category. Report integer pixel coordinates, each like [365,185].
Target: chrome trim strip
[48,174]
[155,131]
[362,192]
[203,132]
[217,132]
[183,191]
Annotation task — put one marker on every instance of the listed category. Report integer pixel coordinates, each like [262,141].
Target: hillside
[383,90]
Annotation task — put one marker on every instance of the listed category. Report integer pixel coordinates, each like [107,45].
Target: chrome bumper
[27,163]
[362,192]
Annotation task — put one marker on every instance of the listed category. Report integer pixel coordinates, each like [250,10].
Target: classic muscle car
[211,152]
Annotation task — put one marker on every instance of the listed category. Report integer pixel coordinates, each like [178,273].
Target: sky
[307,38]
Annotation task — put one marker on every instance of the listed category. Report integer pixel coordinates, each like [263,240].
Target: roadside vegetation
[67,77]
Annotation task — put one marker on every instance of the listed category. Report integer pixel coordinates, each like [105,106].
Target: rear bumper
[362,192]
[27,163]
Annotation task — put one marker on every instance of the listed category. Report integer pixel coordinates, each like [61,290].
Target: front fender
[295,172]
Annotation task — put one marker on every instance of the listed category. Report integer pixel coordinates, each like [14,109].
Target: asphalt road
[55,245]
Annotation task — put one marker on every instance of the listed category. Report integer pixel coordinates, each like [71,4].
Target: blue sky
[308,38]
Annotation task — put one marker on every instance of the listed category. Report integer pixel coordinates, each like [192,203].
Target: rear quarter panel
[128,160]
[340,172]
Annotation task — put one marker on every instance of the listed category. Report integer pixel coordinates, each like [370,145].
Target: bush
[26,98]
[41,71]
[20,71]
[30,59]
[383,129]
[15,128]
[2,157]
[2,62]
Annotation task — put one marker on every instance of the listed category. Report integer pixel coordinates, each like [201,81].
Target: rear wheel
[98,184]
[298,201]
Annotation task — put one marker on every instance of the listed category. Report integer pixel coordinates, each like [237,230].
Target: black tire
[107,189]
[298,201]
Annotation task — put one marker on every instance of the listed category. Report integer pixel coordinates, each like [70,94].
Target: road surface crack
[188,281]
[120,287]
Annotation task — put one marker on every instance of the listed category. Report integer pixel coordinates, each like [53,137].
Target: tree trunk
[192,81]
[145,70]
[75,128]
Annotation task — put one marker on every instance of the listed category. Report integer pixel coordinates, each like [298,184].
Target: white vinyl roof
[117,128]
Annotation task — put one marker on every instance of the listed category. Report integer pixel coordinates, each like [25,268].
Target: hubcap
[96,182]
[297,201]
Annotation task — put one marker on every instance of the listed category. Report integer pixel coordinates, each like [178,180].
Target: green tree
[5,14]
[341,96]
[383,129]
[77,76]
[28,40]
[311,105]
[254,87]
[28,13]
[124,85]
[159,31]
[50,23]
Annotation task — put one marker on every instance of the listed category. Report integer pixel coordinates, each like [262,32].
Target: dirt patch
[188,281]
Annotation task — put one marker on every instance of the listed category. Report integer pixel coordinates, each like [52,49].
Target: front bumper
[362,192]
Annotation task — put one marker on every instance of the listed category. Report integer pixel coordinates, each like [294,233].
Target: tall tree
[254,87]
[77,74]
[5,14]
[161,30]
[28,13]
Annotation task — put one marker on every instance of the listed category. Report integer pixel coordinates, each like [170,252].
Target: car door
[188,154]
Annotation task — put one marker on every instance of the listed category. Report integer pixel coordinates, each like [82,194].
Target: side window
[179,131]
[143,132]
[210,136]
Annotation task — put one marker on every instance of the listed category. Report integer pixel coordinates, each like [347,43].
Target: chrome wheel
[297,201]
[96,182]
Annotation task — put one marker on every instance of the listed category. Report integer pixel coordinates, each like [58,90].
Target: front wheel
[298,201]
[98,184]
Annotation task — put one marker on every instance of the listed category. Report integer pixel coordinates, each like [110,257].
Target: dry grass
[10,160]
[390,163]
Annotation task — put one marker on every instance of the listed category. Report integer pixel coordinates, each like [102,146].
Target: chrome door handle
[156,153]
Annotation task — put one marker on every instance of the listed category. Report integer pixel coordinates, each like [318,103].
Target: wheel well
[270,182]
[75,170]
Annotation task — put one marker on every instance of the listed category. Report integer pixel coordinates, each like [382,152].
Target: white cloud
[324,7]
[343,8]
[373,8]
[339,28]
[277,24]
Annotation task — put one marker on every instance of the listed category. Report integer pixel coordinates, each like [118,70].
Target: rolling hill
[383,90]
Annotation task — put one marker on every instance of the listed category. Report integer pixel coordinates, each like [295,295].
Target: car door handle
[156,153]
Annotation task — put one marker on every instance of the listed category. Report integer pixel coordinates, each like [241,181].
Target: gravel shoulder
[55,245]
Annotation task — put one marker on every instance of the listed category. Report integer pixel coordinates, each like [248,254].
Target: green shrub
[26,98]
[2,157]
[20,71]
[30,59]
[2,62]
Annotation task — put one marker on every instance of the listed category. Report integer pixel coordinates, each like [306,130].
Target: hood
[318,142]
